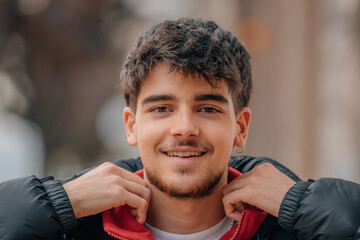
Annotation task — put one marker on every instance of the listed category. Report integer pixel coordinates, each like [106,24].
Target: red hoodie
[120,223]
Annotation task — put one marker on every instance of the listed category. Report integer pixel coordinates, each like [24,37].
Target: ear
[242,126]
[130,126]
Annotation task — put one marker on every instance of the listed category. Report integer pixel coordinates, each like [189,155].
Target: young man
[187,85]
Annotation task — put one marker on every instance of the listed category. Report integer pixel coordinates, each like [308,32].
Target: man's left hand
[263,187]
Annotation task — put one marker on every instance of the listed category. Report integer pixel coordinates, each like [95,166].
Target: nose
[184,125]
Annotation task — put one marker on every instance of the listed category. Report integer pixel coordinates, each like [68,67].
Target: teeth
[183,154]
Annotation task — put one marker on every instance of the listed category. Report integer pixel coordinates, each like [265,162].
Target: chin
[183,185]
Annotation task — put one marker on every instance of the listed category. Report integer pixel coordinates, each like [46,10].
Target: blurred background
[61,108]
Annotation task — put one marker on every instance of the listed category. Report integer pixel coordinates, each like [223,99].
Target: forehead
[160,80]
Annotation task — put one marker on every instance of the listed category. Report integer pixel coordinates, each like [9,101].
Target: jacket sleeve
[34,209]
[324,209]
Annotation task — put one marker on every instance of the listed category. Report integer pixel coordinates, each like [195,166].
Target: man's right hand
[108,186]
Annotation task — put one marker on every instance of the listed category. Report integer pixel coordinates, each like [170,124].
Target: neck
[185,216]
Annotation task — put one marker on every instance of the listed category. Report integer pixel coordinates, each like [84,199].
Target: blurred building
[22,150]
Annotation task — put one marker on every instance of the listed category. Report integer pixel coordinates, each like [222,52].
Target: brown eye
[161,109]
[208,110]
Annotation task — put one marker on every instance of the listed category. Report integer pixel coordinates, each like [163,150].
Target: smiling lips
[184,154]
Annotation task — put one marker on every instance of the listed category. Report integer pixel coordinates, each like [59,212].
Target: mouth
[184,154]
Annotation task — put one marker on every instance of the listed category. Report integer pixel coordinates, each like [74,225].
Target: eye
[161,109]
[209,110]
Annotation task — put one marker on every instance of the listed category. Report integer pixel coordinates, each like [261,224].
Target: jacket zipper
[115,236]
[237,227]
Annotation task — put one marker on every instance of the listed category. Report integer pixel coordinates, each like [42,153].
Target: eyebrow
[157,98]
[198,97]
[213,97]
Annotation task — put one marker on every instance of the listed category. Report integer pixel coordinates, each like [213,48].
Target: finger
[233,203]
[138,203]
[131,176]
[234,210]
[144,193]
[234,215]
[111,169]
[141,214]
[238,183]
[133,211]
[137,189]
[239,207]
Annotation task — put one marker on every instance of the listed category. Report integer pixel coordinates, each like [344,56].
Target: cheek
[222,138]
[223,131]
[149,134]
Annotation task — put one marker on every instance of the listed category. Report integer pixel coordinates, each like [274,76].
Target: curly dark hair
[190,46]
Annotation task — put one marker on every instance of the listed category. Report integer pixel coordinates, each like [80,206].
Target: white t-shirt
[213,233]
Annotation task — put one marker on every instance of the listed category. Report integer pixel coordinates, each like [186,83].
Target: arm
[34,209]
[323,209]
[327,208]
[40,209]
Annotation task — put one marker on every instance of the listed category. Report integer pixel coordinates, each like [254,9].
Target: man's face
[185,130]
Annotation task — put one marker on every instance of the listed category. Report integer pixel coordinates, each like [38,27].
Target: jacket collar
[120,224]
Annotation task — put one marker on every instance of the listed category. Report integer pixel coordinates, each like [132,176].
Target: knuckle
[116,180]
[143,202]
[119,191]
[263,168]
[249,191]
[253,179]
[227,199]
[108,167]
[147,193]
[266,166]
[106,164]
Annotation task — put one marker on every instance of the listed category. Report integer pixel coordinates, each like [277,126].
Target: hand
[108,186]
[264,187]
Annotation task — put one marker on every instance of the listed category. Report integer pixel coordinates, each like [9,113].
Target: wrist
[290,204]
[61,204]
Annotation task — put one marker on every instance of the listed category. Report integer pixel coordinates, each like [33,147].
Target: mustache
[188,143]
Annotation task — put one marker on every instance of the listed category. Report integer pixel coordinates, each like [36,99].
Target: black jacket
[32,208]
